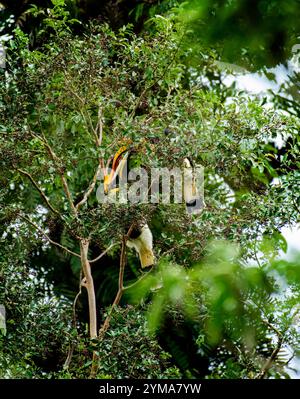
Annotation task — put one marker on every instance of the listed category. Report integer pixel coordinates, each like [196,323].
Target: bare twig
[99,127]
[118,297]
[271,360]
[157,79]
[72,345]
[47,237]
[90,188]
[104,253]
[57,162]
[40,191]
[128,287]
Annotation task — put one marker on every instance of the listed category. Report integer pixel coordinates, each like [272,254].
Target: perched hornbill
[140,237]
[118,164]
[142,241]
[193,200]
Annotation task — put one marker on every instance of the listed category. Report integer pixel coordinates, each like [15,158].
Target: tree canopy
[219,302]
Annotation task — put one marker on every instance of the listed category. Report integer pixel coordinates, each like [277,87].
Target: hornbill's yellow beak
[118,164]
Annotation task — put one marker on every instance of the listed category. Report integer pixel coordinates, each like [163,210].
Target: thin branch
[85,115]
[118,297]
[40,191]
[72,345]
[277,332]
[271,360]
[99,127]
[146,89]
[90,188]
[103,253]
[68,194]
[87,118]
[48,238]
[268,364]
[57,161]
[290,359]
[257,260]
[128,287]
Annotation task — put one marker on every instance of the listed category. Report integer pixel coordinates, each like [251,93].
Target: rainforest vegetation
[81,79]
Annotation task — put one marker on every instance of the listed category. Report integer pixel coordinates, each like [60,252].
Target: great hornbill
[140,238]
[193,199]
[117,168]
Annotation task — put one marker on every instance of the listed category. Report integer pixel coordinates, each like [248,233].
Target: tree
[65,109]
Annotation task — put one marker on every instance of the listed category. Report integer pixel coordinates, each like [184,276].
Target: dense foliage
[219,303]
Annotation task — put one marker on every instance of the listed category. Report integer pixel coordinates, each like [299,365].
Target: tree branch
[47,237]
[271,360]
[128,287]
[99,127]
[104,253]
[157,79]
[72,345]
[57,161]
[40,191]
[118,297]
[90,188]
[84,113]
[277,332]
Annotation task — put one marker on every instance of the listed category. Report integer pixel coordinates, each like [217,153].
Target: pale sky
[257,84]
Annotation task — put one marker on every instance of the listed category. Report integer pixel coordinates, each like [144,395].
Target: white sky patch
[251,82]
[292,236]
[257,83]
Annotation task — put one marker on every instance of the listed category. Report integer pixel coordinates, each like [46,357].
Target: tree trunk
[89,284]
